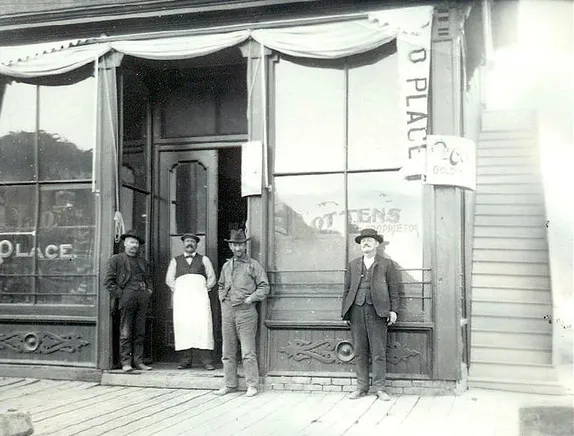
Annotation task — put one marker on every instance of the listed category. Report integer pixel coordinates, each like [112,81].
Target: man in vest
[370,302]
[190,277]
[128,280]
[242,283]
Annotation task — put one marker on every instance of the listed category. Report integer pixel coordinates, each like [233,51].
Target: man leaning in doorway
[242,283]
[190,277]
[370,302]
[128,279]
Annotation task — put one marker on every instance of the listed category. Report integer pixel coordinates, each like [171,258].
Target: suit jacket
[119,273]
[384,286]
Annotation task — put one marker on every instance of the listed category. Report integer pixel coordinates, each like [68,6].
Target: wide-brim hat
[370,233]
[190,235]
[237,236]
[132,234]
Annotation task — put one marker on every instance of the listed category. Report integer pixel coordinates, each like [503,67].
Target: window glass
[134,206]
[232,105]
[310,225]
[189,111]
[310,116]
[66,290]
[66,234]
[16,289]
[375,138]
[134,108]
[190,202]
[17,133]
[134,166]
[391,205]
[67,130]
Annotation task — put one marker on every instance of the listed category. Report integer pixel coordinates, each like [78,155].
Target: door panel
[187,203]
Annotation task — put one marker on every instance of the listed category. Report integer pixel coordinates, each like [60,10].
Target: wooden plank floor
[66,408]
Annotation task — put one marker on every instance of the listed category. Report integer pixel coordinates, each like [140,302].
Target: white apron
[192,324]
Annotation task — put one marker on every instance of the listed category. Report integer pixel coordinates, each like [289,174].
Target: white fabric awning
[319,41]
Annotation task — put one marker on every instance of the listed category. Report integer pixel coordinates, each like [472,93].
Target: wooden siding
[511,337]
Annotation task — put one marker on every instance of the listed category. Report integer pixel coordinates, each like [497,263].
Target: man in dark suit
[370,302]
[128,280]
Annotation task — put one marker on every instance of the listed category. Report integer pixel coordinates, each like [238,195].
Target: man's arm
[346,288]
[261,283]
[170,275]
[111,278]
[393,284]
[211,279]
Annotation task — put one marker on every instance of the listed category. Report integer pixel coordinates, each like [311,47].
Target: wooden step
[484,352]
[510,209]
[505,169]
[511,324]
[486,150]
[516,385]
[492,255]
[512,371]
[511,268]
[532,188]
[524,339]
[538,296]
[510,308]
[525,159]
[508,120]
[511,198]
[501,179]
[502,281]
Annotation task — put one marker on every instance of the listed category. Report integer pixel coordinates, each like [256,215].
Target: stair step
[510,209]
[510,309]
[507,120]
[510,355]
[172,379]
[511,268]
[513,385]
[512,371]
[497,338]
[510,198]
[492,255]
[502,281]
[510,324]
[538,296]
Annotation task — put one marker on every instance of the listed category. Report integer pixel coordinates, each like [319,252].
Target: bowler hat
[237,236]
[190,235]
[370,233]
[132,234]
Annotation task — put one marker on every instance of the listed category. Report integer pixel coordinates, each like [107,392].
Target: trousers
[133,311]
[369,332]
[239,323]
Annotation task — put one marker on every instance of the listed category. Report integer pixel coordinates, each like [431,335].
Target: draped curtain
[319,41]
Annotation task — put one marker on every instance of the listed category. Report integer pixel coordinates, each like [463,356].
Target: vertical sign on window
[413,47]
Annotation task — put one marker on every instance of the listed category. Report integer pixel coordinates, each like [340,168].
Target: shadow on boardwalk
[78,408]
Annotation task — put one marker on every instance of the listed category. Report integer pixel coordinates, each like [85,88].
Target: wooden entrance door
[187,203]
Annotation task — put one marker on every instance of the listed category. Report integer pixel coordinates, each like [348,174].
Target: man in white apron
[190,277]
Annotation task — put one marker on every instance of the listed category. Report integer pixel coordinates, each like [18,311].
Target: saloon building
[301,121]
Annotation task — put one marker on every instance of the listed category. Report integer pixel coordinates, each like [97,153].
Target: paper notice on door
[251,167]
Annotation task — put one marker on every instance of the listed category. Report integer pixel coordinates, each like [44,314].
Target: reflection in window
[189,198]
[310,224]
[47,134]
[391,205]
[17,133]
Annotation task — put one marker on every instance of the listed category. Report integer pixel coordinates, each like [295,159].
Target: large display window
[47,206]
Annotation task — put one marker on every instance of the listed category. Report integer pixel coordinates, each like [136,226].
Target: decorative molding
[340,351]
[41,342]
[441,27]
[300,350]
[397,352]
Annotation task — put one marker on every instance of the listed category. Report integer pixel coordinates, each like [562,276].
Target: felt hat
[190,235]
[132,234]
[370,233]
[237,236]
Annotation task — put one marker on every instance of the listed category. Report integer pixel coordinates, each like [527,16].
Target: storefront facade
[302,129]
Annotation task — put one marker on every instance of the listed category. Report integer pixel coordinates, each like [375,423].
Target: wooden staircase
[511,334]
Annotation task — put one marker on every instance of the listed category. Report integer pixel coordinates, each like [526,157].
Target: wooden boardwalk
[65,408]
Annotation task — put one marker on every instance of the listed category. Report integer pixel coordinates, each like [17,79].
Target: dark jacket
[119,272]
[384,286]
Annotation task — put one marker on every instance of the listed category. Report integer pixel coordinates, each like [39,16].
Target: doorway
[196,125]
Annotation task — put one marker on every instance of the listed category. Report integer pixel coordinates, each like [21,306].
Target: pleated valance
[319,41]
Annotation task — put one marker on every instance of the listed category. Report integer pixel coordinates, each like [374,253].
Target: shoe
[127,368]
[143,367]
[209,366]
[251,391]
[224,391]
[185,365]
[357,394]
[383,396]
